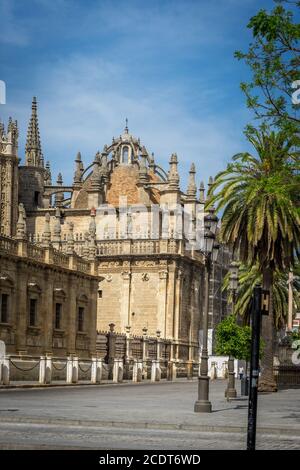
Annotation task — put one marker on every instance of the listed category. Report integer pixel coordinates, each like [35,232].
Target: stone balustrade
[61,259]
[8,245]
[136,247]
[48,369]
[49,255]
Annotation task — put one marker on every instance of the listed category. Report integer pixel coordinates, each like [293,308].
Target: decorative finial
[192,188]
[78,166]
[59,196]
[143,173]
[152,162]
[59,179]
[21,223]
[173,176]
[201,191]
[126,126]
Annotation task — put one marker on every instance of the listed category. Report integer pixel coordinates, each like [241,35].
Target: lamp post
[233,285]
[210,251]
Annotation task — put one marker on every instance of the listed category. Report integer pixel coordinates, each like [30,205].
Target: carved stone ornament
[163,274]
[108,278]
[126,275]
[145,276]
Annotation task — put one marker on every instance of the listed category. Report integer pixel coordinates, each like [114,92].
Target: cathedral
[124,216]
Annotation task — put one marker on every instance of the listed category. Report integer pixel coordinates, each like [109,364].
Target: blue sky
[166,65]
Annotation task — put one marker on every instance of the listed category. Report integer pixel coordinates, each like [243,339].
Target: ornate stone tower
[33,174]
[8,178]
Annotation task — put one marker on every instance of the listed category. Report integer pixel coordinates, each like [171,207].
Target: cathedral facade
[125,214]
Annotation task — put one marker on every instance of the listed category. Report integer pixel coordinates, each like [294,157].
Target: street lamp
[233,285]
[233,280]
[210,251]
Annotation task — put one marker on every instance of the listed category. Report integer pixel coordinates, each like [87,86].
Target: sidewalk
[163,405]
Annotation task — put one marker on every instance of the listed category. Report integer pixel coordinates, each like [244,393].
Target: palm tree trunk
[266,381]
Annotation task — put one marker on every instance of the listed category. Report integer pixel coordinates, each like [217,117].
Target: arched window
[125,154]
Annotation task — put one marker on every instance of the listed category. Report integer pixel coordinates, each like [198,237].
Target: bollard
[155,371]
[171,371]
[69,370]
[137,371]
[75,370]
[5,371]
[224,370]
[118,371]
[99,370]
[94,370]
[48,370]
[42,372]
[213,371]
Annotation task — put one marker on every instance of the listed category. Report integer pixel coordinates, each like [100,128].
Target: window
[58,308]
[125,155]
[4,308]
[80,318]
[32,312]
[100,294]
[36,197]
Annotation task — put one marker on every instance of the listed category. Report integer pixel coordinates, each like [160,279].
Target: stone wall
[31,186]
[154,292]
[23,278]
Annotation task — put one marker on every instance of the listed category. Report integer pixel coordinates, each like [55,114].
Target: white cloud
[84,101]
[84,98]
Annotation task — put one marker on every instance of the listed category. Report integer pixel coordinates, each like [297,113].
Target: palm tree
[261,220]
[248,277]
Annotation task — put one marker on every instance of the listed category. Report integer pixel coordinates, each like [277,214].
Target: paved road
[34,436]
[143,416]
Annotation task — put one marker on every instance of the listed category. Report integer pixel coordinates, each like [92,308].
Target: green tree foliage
[233,340]
[249,276]
[274,59]
[258,193]
[261,220]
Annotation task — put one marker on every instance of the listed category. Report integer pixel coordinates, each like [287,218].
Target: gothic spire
[152,162]
[201,192]
[78,169]
[192,189]
[210,183]
[143,174]
[96,176]
[173,176]
[33,150]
